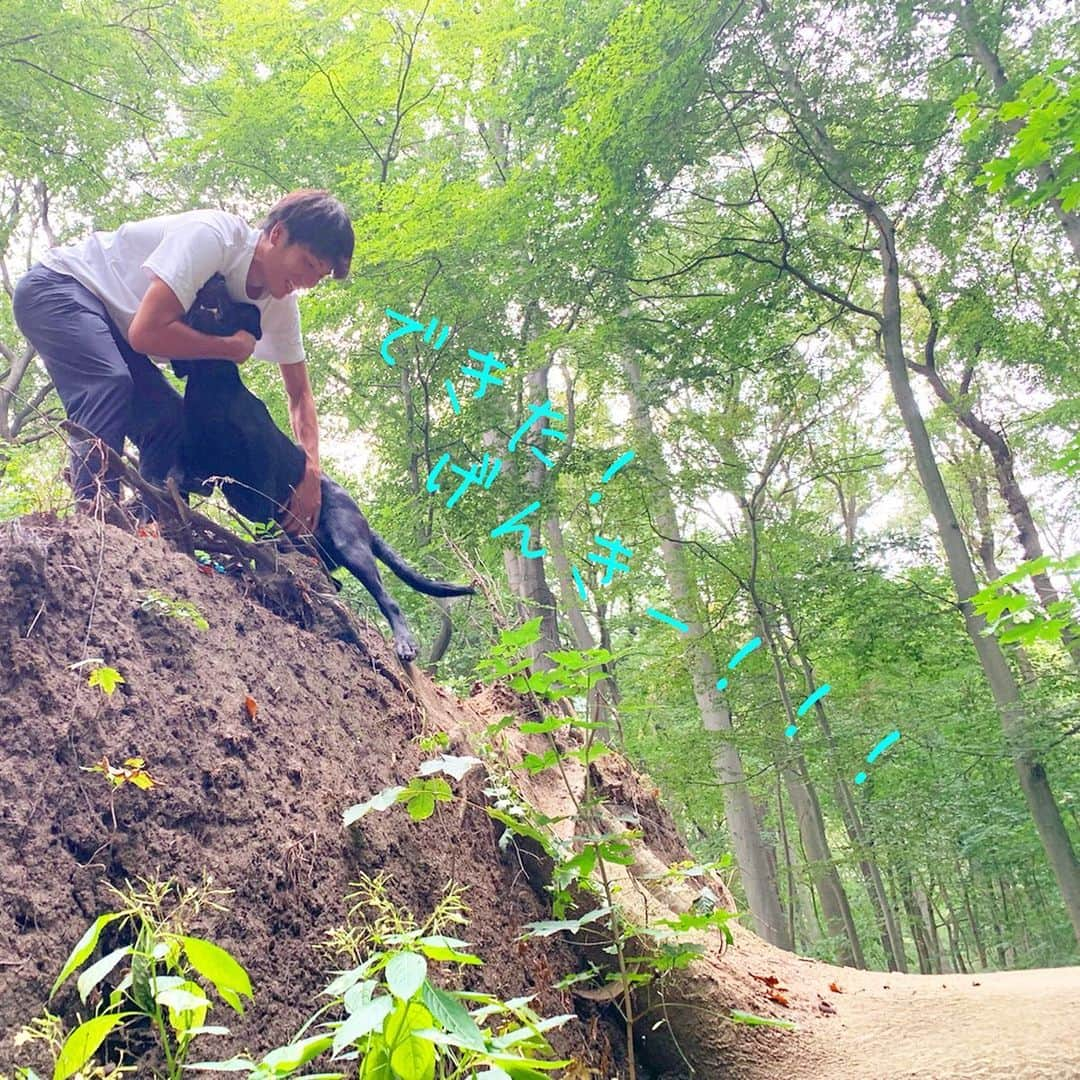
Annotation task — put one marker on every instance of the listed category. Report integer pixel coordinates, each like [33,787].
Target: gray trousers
[106,387]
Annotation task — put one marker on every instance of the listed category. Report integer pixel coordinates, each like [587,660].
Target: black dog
[229,433]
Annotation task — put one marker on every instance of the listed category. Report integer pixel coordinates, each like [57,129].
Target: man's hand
[241,345]
[302,514]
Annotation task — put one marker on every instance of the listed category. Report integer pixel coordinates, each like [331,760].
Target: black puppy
[229,433]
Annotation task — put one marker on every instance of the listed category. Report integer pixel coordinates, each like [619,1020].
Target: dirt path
[1017,1024]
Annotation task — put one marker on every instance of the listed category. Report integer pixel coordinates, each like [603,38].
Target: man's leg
[71,330]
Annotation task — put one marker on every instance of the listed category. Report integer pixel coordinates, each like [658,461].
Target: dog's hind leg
[343,538]
[356,557]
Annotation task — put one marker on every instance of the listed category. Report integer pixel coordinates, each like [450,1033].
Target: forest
[730,346]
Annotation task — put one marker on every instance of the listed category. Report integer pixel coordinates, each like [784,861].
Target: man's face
[292,266]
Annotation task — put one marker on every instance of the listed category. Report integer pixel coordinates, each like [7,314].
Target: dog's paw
[406,646]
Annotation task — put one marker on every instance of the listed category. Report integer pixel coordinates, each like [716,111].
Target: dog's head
[215,312]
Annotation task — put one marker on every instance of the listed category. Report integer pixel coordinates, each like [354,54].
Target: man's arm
[157,330]
[307,496]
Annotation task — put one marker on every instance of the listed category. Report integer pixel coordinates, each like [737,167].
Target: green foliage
[157,603]
[1012,616]
[160,968]
[398,1025]
[1047,109]
[107,678]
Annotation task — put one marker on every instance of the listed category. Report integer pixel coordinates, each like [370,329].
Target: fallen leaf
[779,998]
[835,988]
[251,705]
[768,980]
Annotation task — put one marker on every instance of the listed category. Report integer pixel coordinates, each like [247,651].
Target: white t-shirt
[184,250]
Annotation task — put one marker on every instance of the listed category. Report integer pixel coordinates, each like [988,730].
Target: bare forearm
[305,425]
[177,341]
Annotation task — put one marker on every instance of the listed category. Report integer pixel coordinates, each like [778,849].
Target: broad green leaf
[405,974]
[359,995]
[236,1064]
[759,1021]
[616,851]
[413,1059]
[591,751]
[421,806]
[296,1054]
[552,723]
[79,1047]
[437,949]
[221,968]
[1036,630]
[421,797]
[367,1018]
[536,763]
[376,1063]
[523,636]
[554,926]
[531,1030]
[401,1035]
[187,1005]
[345,979]
[519,827]
[107,678]
[452,1015]
[98,970]
[84,948]
[383,801]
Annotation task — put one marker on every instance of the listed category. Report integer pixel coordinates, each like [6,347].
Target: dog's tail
[385,553]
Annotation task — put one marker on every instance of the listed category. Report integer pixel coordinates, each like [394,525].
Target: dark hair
[318,221]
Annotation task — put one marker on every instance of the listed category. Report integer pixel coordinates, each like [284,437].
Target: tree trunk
[972,921]
[915,922]
[1030,771]
[930,930]
[526,575]
[980,500]
[759,885]
[892,940]
[839,922]
[1004,469]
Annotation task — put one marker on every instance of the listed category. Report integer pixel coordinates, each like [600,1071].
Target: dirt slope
[257,803]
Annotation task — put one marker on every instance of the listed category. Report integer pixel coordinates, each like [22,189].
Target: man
[96,312]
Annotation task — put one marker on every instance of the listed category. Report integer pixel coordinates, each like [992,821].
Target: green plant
[161,984]
[107,678]
[133,772]
[1013,616]
[49,1030]
[398,1024]
[579,875]
[157,603]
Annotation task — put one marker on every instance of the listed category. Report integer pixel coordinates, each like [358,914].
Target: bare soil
[1020,1025]
[256,802]
[1010,1025]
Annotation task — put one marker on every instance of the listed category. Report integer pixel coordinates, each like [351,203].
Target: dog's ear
[249,319]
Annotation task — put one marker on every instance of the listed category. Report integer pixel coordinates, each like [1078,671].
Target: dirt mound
[254,801]
[263,729]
